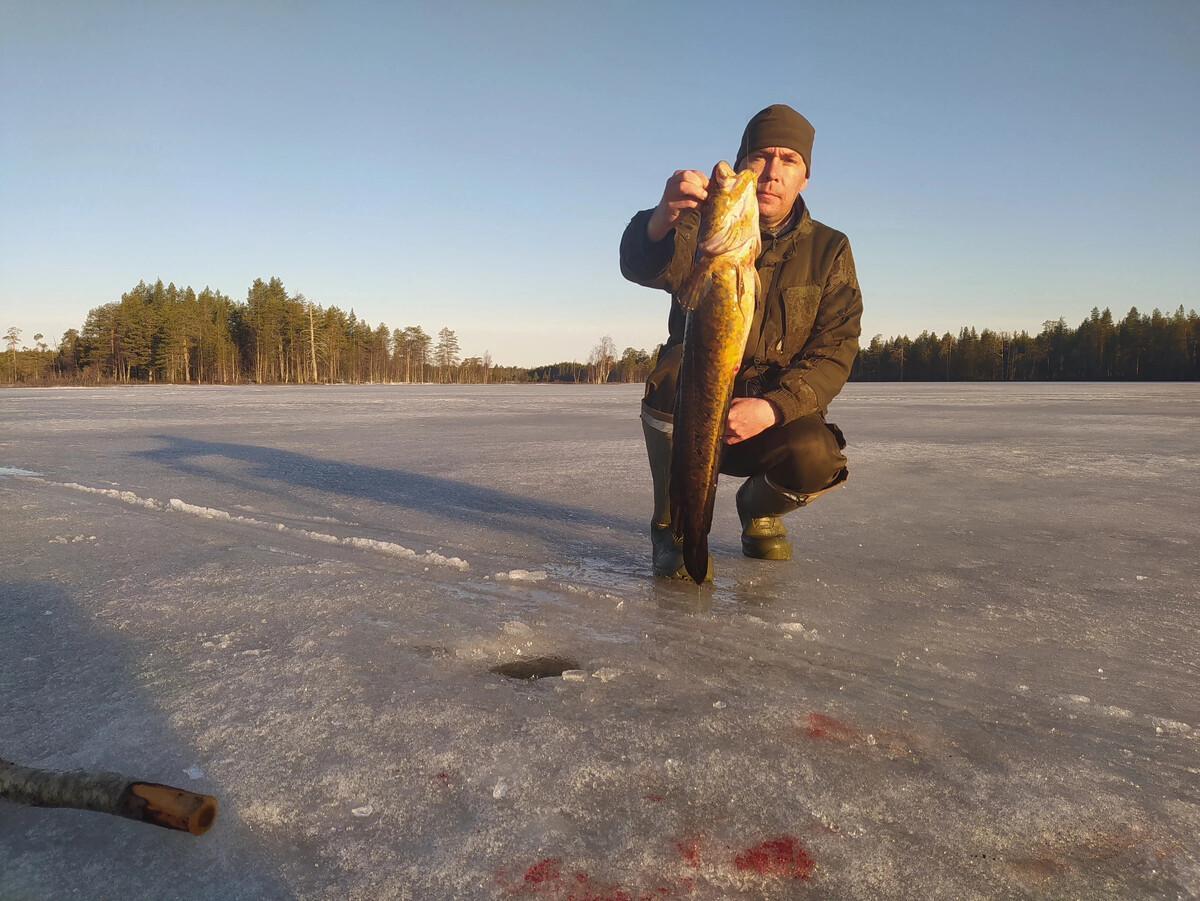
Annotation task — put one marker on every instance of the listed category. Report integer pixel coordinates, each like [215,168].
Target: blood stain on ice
[543,871]
[822,726]
[689,850]
[545,879]
[781,856]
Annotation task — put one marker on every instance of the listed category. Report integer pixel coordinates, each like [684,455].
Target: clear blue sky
[472,165]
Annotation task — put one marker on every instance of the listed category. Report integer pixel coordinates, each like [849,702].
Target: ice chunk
[1164,725]
[522,575]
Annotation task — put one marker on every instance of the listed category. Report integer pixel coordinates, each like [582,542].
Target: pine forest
[162,334]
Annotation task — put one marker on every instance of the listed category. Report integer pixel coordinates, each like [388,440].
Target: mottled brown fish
[719,296]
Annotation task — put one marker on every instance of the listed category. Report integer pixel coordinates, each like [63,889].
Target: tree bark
[103,792]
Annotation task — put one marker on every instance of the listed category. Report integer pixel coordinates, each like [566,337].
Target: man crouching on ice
[802,343]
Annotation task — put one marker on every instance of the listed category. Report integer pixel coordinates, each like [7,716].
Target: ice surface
[978,679]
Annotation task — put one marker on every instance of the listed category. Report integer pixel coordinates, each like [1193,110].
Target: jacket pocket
[800,304]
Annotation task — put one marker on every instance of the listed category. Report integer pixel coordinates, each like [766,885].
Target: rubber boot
[666,549]
[760,503]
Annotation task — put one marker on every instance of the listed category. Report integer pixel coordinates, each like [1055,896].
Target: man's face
[782,175]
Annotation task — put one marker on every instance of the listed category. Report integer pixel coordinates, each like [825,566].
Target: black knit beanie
[779,126]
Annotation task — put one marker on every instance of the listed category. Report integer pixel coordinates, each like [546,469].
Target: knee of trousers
[660,386]
[807,458]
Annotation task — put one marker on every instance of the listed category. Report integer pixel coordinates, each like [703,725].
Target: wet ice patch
[8,471]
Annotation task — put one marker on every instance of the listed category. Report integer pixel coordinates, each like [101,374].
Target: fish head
[729,217]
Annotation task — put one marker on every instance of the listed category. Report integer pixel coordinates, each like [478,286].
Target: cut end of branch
[172,808]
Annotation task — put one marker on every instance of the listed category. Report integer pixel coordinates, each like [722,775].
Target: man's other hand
[748,416]
[685,190]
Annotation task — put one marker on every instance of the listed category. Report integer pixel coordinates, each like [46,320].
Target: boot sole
[772,553]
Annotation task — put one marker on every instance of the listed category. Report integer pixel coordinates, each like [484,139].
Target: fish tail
[695,557]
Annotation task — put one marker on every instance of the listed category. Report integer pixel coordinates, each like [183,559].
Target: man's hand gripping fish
[719,296]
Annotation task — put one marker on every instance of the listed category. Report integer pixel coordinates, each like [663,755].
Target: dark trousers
[803,456]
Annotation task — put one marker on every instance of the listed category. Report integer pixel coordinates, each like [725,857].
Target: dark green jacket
[805,333]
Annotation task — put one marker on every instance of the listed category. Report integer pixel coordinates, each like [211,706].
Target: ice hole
[534,667]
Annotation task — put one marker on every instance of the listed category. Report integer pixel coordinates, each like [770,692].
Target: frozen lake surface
[978,679]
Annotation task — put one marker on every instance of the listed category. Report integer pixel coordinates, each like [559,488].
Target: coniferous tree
[13,337]
[446,354]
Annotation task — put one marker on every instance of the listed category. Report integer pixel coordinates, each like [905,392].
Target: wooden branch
[149,802]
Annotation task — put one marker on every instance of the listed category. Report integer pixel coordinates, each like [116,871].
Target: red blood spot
[822,726]
[689,849]
[443,778]
[782,856]
[657,799]
[543,871]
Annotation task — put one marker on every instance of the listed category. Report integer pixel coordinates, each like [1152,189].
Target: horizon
[993,167]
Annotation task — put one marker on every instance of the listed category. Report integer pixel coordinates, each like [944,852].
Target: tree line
[1154,347]
[163,334]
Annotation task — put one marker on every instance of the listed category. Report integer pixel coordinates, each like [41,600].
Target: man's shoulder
[827,233]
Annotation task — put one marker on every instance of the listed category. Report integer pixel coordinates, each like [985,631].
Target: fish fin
[693,287]
[742,295]
[677,501]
